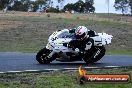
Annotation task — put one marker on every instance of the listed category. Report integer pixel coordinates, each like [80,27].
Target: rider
[82,34]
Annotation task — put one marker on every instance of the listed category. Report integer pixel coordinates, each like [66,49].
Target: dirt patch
[5,24]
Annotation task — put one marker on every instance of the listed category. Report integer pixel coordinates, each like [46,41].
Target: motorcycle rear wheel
[89,58]
[42,58]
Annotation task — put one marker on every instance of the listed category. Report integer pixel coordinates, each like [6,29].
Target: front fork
[51,54]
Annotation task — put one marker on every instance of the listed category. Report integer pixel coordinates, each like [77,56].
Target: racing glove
[77,50]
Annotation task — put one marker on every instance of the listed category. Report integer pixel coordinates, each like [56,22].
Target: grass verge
[58,79]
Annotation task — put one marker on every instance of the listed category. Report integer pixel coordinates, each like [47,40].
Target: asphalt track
[15,61]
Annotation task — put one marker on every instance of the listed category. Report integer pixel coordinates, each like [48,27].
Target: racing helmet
[81,32]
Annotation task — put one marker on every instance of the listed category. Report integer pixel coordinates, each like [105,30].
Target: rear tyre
[89,57]
[42,58]
[102,53]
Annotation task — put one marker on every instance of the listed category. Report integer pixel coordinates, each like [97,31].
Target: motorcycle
[60,47]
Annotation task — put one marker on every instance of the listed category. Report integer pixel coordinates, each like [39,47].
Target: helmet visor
[80,36]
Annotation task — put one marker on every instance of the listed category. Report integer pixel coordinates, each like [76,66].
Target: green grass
[113,52]
[59,79]
[30,33]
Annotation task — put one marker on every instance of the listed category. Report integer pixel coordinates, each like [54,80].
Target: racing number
[53,39]
[54,33]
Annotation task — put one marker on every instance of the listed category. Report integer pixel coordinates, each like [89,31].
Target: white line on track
[45,70]
[14,71]
[111,66]
[30,70]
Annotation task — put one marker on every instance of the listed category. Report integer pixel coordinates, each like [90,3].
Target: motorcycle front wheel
[42,58]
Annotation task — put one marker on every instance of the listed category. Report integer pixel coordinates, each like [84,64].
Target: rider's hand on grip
[70,45]
[77,50]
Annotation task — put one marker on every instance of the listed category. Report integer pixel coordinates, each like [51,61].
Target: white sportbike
[58,48]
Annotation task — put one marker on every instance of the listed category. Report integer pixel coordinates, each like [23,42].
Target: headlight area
[49,46]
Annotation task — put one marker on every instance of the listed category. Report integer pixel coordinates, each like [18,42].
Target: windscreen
[66,34]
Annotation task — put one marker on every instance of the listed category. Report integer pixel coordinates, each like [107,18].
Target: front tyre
[42,58]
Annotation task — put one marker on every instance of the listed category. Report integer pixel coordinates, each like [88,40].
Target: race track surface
[14,61]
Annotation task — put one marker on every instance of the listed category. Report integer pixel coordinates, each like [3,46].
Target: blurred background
[72,6]
[25,25]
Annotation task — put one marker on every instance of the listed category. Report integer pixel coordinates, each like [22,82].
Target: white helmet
[81,32]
